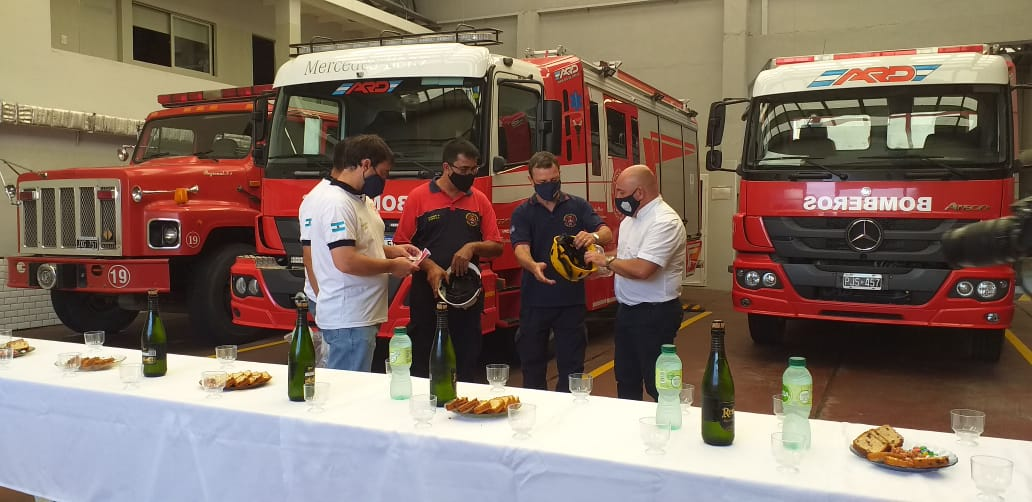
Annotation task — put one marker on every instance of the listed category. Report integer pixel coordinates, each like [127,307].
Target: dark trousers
[640,331]
[567,323]
[463,327]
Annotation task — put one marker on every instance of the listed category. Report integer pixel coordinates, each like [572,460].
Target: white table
[84,438]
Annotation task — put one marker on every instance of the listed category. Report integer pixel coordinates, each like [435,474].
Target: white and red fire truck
[420,91]
[174,219]
[853,167]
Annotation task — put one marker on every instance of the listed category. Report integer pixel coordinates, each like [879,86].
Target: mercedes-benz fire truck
[853,167]
[418,92]
[174,219]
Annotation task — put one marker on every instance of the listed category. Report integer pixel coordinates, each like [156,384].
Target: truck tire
[986,344]
[208,298]
[90,311]
[766,330]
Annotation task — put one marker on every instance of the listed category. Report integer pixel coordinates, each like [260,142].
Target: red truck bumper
[942,310]
[92,275]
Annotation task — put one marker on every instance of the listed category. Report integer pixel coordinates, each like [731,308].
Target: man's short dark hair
[542,160]
[459,146]
[349,153]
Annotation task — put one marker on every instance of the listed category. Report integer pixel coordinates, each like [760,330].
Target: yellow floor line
[256,347]
[1024,298]
[693,318]
[601,370]
[1022,348]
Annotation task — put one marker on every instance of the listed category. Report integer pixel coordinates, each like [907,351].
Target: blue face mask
[373,185]
[548,190]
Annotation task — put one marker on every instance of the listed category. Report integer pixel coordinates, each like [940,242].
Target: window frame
[172,16]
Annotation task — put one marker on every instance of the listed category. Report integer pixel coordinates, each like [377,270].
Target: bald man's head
[637,182]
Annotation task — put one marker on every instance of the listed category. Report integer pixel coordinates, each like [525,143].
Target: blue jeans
[351,348]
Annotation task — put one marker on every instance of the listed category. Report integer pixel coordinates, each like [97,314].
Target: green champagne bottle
[153,342]
[718,393]
[442,359]
[301,356]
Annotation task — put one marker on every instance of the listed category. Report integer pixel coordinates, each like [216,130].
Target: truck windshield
[896,128]
[214,136]
[416,116]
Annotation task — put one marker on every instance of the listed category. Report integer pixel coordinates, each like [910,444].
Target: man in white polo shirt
[649,267]
[349,258]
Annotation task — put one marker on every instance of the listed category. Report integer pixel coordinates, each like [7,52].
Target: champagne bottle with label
[153,342]
[718,393]
[442,360]
[301,356]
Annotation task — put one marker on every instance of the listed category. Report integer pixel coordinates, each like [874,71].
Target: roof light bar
[980,49]
[211,96]
[471,36]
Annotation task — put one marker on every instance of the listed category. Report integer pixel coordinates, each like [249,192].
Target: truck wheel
[986,344]
[766,330]
[208,298]
[90,311]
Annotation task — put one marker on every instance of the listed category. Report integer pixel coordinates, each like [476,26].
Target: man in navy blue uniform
[551,302]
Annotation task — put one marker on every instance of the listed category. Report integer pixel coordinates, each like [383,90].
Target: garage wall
[708,49]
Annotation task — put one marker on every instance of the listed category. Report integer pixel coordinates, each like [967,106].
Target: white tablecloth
[84,438]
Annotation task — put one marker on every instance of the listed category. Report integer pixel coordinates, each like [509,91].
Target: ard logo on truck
[373,87]
[875,75]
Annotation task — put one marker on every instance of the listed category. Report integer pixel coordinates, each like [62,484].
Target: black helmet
[461,291]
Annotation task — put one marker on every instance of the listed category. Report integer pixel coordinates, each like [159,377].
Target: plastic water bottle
[400,353]
[668,383]
[796,397]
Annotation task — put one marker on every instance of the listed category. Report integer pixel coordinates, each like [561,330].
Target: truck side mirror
[497,164]
[715,125]
[259,120]
[714,160]
[125,151]
[551,127]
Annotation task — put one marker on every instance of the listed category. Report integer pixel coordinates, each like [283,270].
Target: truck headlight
[240,286]
[986,289]
[752,278]
[163,234]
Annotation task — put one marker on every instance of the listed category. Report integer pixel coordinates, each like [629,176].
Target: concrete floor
[862,373]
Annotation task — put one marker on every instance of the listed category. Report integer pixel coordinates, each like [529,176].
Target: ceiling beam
[368,15]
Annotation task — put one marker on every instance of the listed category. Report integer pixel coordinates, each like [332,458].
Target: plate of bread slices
[481,408]
[99,363]
[884,447]
[19,347]
[243,380]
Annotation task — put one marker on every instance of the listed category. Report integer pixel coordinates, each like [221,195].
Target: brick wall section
[24,308]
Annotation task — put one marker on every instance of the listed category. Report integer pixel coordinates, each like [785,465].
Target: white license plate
[862,281]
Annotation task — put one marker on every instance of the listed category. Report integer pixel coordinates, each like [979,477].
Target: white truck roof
[810,73]
[398,61]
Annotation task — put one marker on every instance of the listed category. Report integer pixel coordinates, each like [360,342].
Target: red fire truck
[420,91]
[174,219]
[853,167]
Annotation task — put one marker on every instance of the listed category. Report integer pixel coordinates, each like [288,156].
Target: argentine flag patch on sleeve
[337,226]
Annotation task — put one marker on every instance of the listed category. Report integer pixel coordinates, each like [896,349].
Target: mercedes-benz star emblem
[864,235]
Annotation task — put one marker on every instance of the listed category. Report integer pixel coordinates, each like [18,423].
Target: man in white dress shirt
[649,265]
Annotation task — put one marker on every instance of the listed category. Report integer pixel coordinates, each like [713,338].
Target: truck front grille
[67,218]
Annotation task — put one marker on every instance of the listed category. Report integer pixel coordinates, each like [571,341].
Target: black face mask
[627,205]
[373,185]
[461,181]
[548,190]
